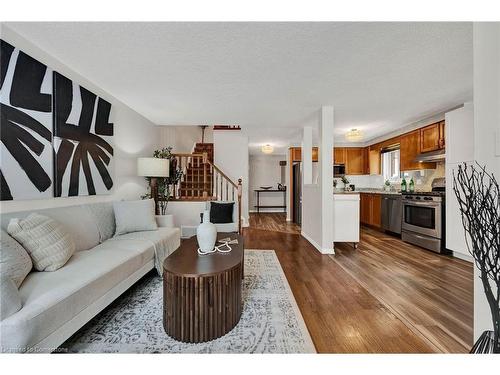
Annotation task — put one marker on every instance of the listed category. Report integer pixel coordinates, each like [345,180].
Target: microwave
[338,170]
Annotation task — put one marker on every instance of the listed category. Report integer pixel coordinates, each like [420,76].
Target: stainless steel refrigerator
[297,193]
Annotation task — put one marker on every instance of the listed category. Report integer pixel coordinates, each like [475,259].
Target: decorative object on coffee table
[202,294]
[478,195]
[206,234]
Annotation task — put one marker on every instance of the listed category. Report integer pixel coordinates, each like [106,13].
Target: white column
[325,156]
[307,155]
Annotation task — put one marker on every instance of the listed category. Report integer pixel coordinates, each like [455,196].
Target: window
[390,165]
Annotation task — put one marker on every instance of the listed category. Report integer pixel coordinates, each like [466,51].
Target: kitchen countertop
[366,190]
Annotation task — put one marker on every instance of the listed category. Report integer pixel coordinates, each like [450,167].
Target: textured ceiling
[270,78]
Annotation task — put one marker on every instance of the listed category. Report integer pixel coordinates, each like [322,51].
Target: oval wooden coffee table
[202,293]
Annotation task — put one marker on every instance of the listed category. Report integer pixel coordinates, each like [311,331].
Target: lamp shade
[153,167]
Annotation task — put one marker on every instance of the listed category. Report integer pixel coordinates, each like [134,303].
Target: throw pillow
[221,213]
[15,262]
[134,216]
[47,242]
[9,297]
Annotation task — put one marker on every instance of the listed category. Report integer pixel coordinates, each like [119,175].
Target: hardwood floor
[387,296]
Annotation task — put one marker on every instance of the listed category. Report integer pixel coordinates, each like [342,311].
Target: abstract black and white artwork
[82,140]
[26,157]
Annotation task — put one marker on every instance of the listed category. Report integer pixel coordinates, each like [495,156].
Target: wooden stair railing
[202,180]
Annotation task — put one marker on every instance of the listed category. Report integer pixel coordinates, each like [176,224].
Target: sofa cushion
[47,241]
[51,299]
[15,262]
[10,299]
[221,213]
[77,221]
[134,216]
[164,241]
[104,218]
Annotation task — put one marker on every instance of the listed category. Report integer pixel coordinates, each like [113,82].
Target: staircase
[196,182]
[202,180]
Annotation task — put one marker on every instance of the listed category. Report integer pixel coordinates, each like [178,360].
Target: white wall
[182,138]
[231,156]
[134,136]
[486,130]
[265,170]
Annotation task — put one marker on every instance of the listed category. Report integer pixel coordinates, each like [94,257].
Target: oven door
[423,218]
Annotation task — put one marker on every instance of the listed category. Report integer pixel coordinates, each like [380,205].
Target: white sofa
[56,304]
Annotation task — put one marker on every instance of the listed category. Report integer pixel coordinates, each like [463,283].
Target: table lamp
[153,168]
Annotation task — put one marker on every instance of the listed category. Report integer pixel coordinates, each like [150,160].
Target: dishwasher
[392,212]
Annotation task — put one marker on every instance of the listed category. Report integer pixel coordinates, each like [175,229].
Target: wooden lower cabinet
[371,209]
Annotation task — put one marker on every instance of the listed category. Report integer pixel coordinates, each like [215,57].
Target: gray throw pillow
[134,216]
[10,300]
[15,262]
[47,242]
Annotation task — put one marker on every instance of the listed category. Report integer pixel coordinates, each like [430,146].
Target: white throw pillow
[10,299]
[15,262]
[134,216]
[47,241]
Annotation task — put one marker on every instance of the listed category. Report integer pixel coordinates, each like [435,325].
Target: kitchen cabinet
[374,160]
[296,153]
[354,161]
[339,155]
[432,137]
[366,160]
[371,209]
[409,149]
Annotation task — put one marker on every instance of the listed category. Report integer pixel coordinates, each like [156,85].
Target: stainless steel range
[424,217]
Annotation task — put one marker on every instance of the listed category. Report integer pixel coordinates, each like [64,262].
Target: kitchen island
[346,220]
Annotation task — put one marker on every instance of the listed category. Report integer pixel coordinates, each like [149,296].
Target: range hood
[432,156]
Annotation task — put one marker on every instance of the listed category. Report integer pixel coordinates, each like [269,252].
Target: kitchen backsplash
[423,179]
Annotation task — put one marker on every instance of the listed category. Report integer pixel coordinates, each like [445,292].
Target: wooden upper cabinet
[296,153]
[409,149]
[339,155]
[442,143]
[354,160]
[374,161]
[315,154]
[366,160]
[430,138]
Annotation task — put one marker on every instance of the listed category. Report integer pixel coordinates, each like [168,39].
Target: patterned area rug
[270,323]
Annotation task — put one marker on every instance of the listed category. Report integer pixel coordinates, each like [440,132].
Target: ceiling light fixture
[267,149]
[354,135]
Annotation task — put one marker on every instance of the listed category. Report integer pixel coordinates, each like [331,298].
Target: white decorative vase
[206,234]
[165,221]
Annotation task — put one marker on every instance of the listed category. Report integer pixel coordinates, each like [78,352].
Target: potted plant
[345,181]
[164,186]
[478,195]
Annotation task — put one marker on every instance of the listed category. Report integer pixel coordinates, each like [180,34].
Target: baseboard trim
[463,256]
[322,250]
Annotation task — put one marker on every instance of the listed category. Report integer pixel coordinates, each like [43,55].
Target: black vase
[485,343]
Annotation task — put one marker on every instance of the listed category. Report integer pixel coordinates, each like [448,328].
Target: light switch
[497,143]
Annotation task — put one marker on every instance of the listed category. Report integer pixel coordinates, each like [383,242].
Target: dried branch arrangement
[478,195]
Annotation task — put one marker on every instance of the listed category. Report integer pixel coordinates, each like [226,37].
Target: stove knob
[427,198]
[408,197]
[418,198]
